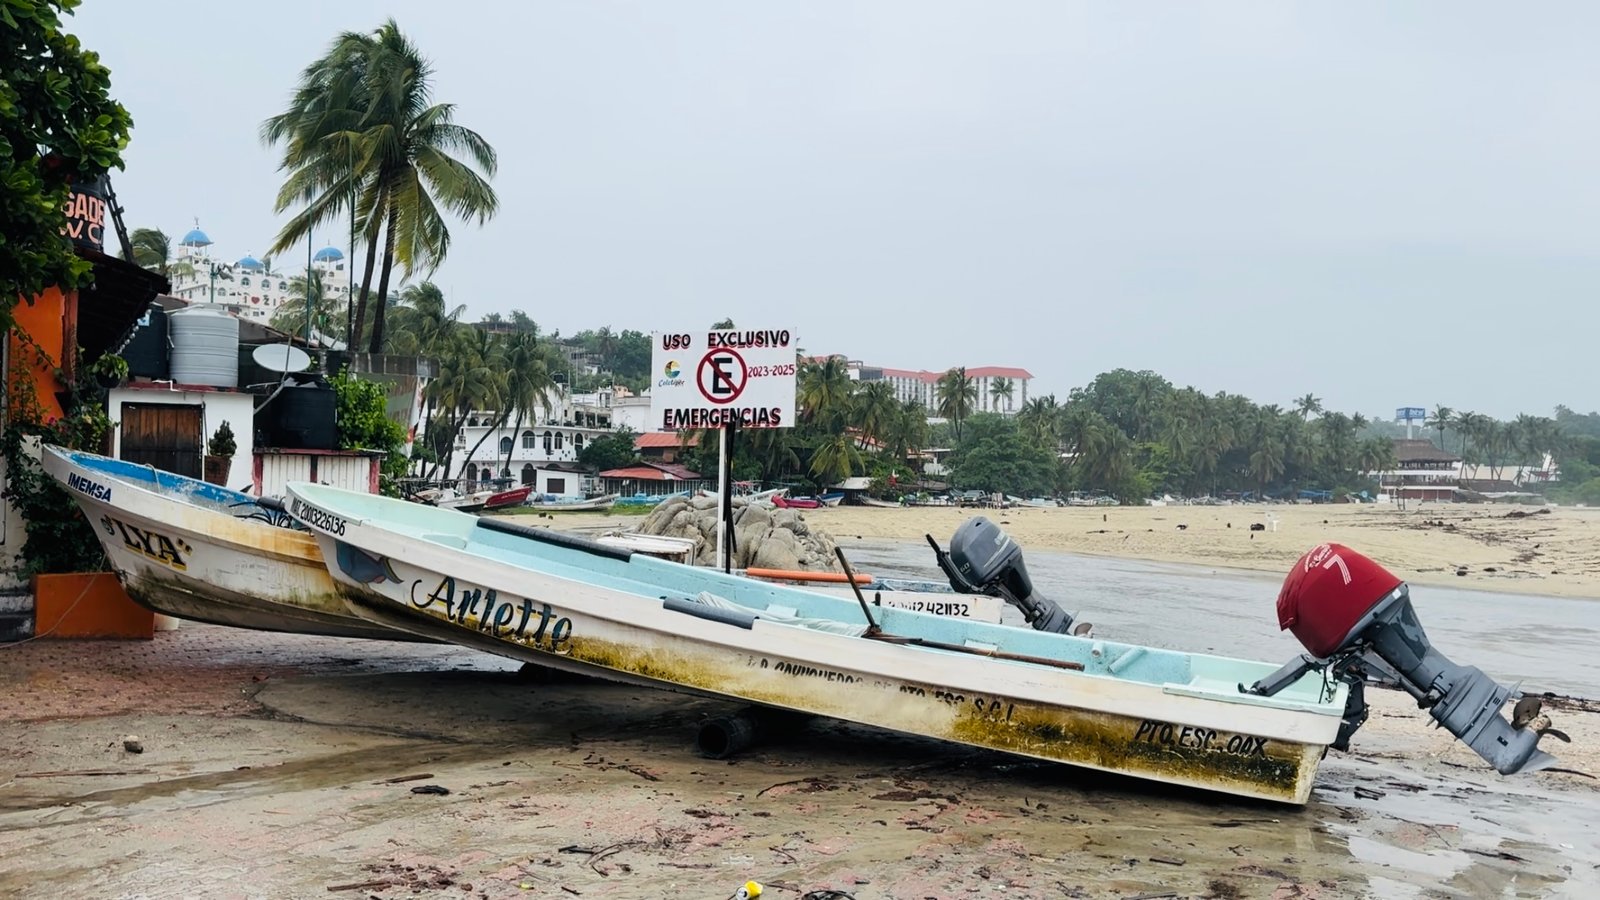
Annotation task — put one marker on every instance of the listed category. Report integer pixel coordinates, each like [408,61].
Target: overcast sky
[1385,204]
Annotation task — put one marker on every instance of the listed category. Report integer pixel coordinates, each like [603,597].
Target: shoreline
[1553,552]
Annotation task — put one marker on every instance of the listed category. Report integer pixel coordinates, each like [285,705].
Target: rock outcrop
[765,536]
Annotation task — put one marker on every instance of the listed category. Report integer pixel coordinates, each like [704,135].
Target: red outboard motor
[1350,612]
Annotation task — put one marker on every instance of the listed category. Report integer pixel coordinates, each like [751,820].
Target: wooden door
[163,435]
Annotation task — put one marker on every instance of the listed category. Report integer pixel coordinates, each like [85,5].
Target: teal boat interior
[189,490]
[661,581]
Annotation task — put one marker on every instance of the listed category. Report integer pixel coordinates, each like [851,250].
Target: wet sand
[278,766]
[1555,553]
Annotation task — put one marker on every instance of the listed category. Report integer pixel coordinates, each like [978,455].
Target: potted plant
[219,455]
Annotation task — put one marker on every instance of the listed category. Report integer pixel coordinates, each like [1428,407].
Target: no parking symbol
[722,375]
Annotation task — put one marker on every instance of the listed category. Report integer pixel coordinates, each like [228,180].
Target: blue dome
[329,254]
[196,238]
[249,263]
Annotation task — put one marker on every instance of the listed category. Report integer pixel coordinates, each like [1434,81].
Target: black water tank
[301,417]
[147,350]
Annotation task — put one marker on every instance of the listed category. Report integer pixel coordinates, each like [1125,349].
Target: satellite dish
[281,358]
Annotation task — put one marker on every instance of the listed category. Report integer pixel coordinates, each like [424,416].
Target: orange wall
[51,320]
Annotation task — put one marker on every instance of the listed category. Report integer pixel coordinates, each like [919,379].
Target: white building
[922,386]
[250,288]
[543,452]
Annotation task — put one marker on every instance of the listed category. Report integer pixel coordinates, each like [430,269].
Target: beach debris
[402,779]
[1182,527]
[132,744]
[1461,571]
[1167,860]
[747,891]
[361,886]
[437,789]
[80,773]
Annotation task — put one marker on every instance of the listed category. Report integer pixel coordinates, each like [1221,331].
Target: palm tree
[1040,420]
[1000,388]
[1376,455]
[467,381]
[875,410]
[958,396]
[152,249]
[773,450]
[1469,426]
[1308,406]
[908,433]
[1441,418]
[326,317]
[362,134]
[528,382]
[824,393]
[424,326]
[834,458]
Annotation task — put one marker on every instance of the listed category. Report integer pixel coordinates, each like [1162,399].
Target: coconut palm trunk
[360,326]
[383,280]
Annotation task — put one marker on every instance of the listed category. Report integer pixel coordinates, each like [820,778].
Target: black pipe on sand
[725,736]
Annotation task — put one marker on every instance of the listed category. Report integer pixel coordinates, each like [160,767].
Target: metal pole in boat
[724,501]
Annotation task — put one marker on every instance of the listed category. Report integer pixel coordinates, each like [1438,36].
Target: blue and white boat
[190,549]
[569,603]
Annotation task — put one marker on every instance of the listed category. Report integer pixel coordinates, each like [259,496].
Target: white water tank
[205,346]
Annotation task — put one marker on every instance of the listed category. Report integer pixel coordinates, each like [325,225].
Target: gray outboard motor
[1350,613]
[985,560]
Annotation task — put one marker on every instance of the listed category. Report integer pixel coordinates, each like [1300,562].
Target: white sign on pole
[708,379]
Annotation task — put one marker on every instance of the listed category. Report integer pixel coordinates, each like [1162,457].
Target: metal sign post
[721,381]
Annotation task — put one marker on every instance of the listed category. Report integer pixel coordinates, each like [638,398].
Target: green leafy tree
[610,451]
[362,133]
[364,424]
[58,126]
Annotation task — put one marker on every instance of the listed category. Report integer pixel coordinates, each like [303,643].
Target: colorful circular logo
[672,369]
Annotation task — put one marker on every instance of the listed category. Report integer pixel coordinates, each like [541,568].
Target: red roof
[998,372]
[661,440]
[979,372]
[652,472]
[920,375]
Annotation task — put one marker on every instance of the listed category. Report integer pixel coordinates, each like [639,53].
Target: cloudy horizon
[1383,205]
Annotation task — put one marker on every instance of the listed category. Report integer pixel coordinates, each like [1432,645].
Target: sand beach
[1555,552]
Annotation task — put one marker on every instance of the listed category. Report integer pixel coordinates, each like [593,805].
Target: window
[472,472]
[528,440]
[283,286]
[547,439]
[505,445]
[527,473]
[245,280]
[558,439]
[556,486]
[577,443]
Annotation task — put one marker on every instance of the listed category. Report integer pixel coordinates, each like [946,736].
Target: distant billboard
[1410,414]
